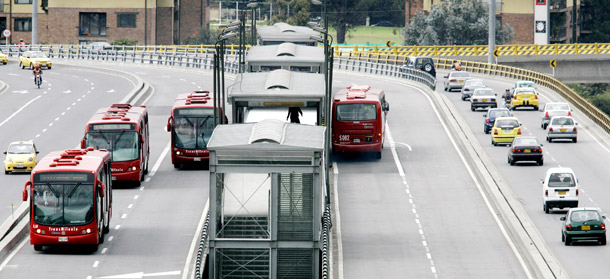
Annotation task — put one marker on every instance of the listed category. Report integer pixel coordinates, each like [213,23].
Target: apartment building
[558,21]
[150,22]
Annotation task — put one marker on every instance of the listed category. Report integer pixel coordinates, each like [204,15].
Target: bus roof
[283,32]
[285,53]
[358,92]
[194,99]
[123,113]
[84,160]
[278,86]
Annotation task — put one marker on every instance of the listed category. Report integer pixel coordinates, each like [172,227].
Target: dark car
[424,63]
[384,23]
[525,149]
[491,115]
[583,223]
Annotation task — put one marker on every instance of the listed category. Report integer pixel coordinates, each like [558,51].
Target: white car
[562,127]
[559,189]
[456,80]
[469,87]
[483,98]
[554,109]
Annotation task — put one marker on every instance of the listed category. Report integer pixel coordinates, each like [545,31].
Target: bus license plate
[585,228]
[197,159]
[62,239]
[356,140]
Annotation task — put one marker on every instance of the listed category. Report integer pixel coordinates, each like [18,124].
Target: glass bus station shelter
[287,56]
[285,33]
[266,200]
[269,95]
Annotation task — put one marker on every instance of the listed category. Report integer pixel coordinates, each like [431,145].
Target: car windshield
[474,82]
[498,113]
[20,149]
[557,107]
[562,121]
[38,55]
[460,75]
[561,179]
[483,92]
[63,204]
[525,141]
[585,216]
[507,123]
[525,84]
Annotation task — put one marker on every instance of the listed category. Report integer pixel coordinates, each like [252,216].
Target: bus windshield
[63,204]
[123,146]
[357,112]
[193,132]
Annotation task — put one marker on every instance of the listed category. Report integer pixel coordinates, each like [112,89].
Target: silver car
[456,80]
[562,127]
[554,109]
[469,86]
[483,98]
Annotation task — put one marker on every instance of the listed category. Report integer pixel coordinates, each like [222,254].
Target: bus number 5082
[344,137]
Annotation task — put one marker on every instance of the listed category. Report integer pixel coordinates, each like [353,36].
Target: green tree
[459,22]
[299,12]
[594,15]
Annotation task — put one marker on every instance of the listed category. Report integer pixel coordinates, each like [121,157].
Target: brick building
[150,22]
[564,22]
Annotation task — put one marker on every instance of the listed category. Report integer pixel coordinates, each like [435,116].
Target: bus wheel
[37,247]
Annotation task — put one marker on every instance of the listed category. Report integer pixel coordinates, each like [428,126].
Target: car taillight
[546,115]
[575,130]
[568,227]
[550,129]
[515,97]
[603,226]
[546,193]
[475,100]
[576,192]
[495,131]
[516,150]
[487,121]
[536,97]
[569,113]
[519,131]
[453,80]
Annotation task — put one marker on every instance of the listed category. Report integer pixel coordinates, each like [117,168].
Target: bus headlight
[38,231]
[178,153]
[133,168]
[88,230]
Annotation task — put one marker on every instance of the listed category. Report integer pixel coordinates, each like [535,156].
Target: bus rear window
[356,112]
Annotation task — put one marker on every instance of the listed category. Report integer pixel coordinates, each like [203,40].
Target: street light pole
[253,6]
[34,22]
[492,32]
[219,73]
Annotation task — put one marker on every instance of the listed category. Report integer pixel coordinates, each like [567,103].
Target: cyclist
[457,66]
[37,70]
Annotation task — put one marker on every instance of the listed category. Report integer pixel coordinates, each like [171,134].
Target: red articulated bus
[71,198]
[359,119]
[122,130]
[191,125]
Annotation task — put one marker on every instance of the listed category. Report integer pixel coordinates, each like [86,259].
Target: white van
[559,189]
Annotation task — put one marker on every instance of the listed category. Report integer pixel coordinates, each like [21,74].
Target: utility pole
[34,22]
[492,32]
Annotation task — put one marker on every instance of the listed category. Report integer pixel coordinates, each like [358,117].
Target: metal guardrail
[203,245]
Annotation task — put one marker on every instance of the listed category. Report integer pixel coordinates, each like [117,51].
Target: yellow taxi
[20,156]
[3,58]
[505,130]
[524,97]
[31,58]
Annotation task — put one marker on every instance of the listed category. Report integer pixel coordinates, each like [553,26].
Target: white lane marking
[165,76]
[187,264]
[83,96]
[96,263]
[89,277]
[142,188]
[50,124]
[68,108]
[138,275]
[337,222]
[44,130]
[12,254]
[117,227]
[78,100]
[21,91]
[130,205]
[63,113]
[92,88]
[38,135]
[104,250]
[136,197]
[111,238]
[152,92]
[86,80]
[158,163]
[56,118]
[19,110]
[124,216]
[67,91]
[11,74]
[478,185]
[402,143]
[182,79]
[74,104]
[110,91]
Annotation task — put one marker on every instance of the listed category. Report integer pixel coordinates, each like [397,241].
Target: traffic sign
[496,53]
[6,33]
[388,44]
[553,63]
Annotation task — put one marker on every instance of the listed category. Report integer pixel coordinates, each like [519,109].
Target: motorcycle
[38,79]
[507,96]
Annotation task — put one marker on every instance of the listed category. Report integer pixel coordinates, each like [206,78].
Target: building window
[92,24]
[23,24]
[23,1]
[127,20]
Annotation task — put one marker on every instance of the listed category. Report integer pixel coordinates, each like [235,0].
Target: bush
[124,42]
